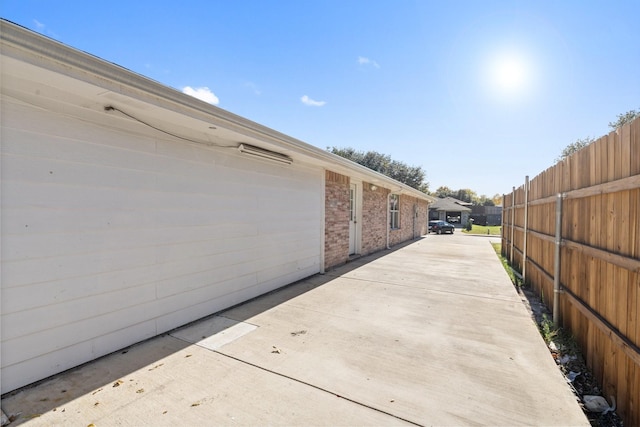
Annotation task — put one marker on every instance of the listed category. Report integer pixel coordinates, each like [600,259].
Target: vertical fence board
[634,222]
[611,157]
[634,131]
[625,151]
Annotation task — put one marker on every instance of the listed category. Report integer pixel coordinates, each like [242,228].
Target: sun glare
[509,74]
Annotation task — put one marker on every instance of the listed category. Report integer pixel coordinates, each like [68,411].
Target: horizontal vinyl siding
[111,237]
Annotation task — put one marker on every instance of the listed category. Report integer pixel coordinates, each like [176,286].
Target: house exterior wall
[111,236]
[336,243]
[374,219]
[413,223]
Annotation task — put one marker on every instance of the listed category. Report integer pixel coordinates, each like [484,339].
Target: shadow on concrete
[107,371]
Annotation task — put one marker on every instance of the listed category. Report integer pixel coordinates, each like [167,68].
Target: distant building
[451,210]
[486,215]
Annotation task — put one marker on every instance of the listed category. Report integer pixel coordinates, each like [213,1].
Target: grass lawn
[481,229]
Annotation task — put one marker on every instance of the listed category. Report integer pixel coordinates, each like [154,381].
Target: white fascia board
[41,51]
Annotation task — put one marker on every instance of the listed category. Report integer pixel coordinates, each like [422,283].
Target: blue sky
[478,93]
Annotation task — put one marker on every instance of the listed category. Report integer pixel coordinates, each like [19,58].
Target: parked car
[441,227]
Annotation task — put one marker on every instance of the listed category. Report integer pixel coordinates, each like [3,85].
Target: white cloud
[308,101]
[39,25]
[202,93]
[366,61]
[256,90]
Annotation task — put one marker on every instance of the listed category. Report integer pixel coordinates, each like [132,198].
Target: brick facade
[374,219]
[336,231]
[411,225]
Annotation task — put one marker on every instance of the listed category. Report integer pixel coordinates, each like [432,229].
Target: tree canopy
[413,176]
[622,119]
[468,195]
[573,147]
[625,118]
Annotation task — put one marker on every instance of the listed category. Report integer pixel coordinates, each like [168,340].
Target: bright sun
[509,74]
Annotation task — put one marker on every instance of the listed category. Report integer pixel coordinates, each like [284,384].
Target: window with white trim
[394,211]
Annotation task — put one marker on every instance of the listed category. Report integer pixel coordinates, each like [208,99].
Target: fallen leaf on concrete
[188,355]
[96,404]
[117,383]
[140,390]
[295,334]
[195,404]
[275,350]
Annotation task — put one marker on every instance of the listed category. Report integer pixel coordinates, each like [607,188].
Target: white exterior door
[352,219]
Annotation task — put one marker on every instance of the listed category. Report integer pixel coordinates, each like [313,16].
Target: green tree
[443,192]
[466,195]
[622,119]
[625,118]
[484,201]
[573,147]
[413,176]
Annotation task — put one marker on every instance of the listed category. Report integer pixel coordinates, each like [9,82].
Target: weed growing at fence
[548,329]
[505,263]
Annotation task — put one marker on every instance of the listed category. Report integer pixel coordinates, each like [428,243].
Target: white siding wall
[109,237]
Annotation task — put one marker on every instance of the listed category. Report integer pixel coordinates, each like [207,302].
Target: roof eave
[50,54]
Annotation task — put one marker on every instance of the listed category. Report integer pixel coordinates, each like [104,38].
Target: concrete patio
[430,333]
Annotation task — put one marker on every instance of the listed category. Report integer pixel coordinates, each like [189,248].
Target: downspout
[323,218]
[388,218]
[413,226]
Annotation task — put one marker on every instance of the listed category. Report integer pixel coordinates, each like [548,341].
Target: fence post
[513,220]
[526,227]
[503,232]
[556,261]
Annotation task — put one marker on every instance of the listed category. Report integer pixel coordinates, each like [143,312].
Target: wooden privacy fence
[574,233]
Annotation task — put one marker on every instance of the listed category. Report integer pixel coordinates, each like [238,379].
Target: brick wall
[374,219]
[336,232]
[410,227]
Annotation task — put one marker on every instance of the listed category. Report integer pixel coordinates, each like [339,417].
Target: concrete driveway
[431,333]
